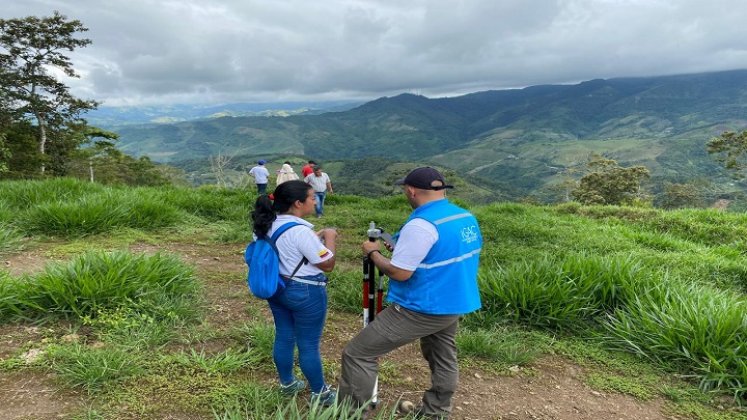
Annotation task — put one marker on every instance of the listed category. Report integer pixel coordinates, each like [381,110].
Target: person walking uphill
[433,280]
[261,176]
[322,185]
[299,309]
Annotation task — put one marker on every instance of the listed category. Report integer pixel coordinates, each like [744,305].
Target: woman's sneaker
[292,388]
[325,398]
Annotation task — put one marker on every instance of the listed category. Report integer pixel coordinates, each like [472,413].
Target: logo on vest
[469,234]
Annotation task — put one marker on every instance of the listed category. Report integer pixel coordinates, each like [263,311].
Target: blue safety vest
[445,282]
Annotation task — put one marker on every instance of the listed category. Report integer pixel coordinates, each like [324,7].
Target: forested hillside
[527,138]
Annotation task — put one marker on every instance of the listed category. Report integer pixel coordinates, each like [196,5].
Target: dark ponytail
[266,210]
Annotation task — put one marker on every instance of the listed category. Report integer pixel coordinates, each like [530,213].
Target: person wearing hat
[261,176]
[433,281]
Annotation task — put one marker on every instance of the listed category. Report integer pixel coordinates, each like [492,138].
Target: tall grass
[212,203]
[10,239]
[504,346]
[344,288]
[554,294]
[21,195]
[98,283]
[99,213]
[699,328]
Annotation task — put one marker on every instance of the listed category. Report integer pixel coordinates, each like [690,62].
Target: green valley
[519,143]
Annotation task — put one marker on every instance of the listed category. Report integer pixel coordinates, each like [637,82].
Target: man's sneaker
[325,398]
[292,388]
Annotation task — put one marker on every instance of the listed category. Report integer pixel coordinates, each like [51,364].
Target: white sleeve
[311,247]
[415,241]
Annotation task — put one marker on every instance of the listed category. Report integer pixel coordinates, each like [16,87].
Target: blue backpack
[261,257]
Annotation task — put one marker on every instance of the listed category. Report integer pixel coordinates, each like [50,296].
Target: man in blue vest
[433,280]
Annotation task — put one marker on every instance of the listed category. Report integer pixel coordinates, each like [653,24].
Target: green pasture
[665,289]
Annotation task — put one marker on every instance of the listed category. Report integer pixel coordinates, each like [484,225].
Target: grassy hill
[635,290]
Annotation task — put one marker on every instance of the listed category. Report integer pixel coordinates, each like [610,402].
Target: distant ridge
[662,122]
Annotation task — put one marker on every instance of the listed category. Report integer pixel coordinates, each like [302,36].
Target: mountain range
[526,138]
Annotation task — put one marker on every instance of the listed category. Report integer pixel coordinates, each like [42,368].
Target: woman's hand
[327,235]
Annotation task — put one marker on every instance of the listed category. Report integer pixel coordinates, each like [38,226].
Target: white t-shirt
[260,174]
[318,183]
[415,241]
[296,243]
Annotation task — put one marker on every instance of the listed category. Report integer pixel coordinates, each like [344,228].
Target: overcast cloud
[190,51]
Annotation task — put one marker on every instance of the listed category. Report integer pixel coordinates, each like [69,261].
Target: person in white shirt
[261,175]
[300,308]
[321,184]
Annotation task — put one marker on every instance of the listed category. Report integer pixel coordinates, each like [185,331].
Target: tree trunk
[42,138]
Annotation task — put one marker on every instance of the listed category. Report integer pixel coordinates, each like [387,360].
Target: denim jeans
[320,202]
[299,312]
[261,188]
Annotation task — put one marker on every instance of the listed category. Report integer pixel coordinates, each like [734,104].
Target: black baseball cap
[424,178]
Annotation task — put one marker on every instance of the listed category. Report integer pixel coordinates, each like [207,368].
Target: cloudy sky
[218,51]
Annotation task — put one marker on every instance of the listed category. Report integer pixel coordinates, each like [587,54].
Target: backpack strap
[281,230]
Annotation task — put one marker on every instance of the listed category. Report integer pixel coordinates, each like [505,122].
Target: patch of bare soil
[33,396]
[13,337]
[26,262]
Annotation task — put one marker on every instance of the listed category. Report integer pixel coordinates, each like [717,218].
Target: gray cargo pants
[394,327]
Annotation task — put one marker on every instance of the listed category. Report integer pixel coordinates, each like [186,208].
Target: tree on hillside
[730,150]
[675,195]
[4,154]
[609,183]
[29,48]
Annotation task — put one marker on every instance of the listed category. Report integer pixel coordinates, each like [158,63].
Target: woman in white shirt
[299,309]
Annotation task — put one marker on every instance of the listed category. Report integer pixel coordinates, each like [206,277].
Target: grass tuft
[100,283]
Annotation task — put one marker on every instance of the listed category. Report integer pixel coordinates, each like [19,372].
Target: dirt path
[552,389]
